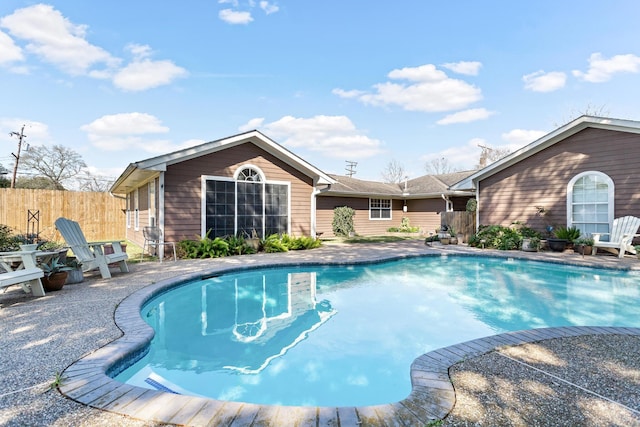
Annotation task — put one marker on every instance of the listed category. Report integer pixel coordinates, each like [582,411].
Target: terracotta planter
[583,249]
[54,282]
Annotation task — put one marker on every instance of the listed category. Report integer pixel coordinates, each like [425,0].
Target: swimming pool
[337,336]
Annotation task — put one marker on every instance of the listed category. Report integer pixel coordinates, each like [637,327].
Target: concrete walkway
[586,377]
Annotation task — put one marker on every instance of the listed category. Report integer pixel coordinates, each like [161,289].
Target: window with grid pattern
[379,208]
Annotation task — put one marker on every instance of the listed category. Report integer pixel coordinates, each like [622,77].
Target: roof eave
[559,134]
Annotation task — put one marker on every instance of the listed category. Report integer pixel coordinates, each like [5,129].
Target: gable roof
[546,141]
[424,186]
[139,172]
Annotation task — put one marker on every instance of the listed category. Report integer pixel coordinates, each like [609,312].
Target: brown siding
[183,185]
[424,213]
[541,180]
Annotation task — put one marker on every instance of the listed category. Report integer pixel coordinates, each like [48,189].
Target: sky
[371,82]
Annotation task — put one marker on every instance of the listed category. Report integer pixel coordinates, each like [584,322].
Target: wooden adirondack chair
[623,231]
[91,254]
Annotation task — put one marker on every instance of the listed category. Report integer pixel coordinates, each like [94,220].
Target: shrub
[570,233]
[273,243]
[501,237]
[8,242]
[405,227]
[343,221]
[472,205]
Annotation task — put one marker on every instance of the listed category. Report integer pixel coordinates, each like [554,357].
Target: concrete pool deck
[562,376]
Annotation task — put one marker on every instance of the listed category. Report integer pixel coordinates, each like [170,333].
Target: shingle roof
[427,185]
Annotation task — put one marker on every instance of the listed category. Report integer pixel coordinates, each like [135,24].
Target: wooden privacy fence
[100,215]
[462,222]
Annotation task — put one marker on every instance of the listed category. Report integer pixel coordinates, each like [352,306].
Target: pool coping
[432,397]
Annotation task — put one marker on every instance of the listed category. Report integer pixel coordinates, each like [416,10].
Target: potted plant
[563,236]
[454,237]
[637,247]
[444,236]
[583,245]
[75,273]
[55,274]
[531,244]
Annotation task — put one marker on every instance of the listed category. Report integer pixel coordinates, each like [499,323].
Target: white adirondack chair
[623,231]
[91,254]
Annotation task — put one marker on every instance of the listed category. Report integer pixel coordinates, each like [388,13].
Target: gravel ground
[591,380]
[40,337]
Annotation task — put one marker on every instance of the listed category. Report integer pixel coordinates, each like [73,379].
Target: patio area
[562,376]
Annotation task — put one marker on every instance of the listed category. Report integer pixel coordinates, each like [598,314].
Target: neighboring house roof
[563,132]
[348,186]
[138,173]
[424,186]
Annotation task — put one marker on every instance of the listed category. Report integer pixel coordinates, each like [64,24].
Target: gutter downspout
[448,203]
[314,195]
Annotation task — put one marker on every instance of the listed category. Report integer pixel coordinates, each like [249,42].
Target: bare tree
[89,182]
[588,110]
[56,163]
[439,166]
[490,155]
[394,172]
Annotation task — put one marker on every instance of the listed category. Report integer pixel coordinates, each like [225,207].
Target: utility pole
[20,136]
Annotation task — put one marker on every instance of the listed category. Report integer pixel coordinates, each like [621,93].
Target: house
[379,206]
[583,174]
[248,184]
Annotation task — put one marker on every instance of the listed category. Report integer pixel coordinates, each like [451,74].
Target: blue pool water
[346,336]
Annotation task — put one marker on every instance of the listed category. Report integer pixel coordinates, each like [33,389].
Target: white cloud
[332,136]
[518,138]
[37,133]
[470,68]
[544,82]
[235,17]
[252,124]
[146,74]
[602,69]
[56,40]
[9,51]
[268,8]
[347,93]
[127,131]
[430,90]
[466,116]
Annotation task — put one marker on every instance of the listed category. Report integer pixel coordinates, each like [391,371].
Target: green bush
[8,242]
[273,243]
[570,233]
[405,227]
[237,245]
[501,237]
[343,221]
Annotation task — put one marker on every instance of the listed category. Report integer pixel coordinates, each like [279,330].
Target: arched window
[247,204]
[590,202]
[249,173]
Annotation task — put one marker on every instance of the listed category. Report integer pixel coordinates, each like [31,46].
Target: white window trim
[136,211]
[610,196]
[390,209]
[128,210]
[203,197]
